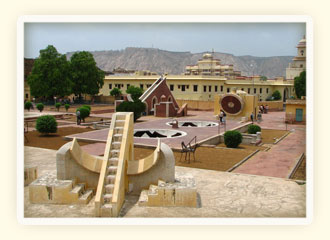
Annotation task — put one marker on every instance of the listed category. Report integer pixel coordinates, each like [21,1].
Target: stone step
[153,190]
[116,145]
[114,153]
[143,199]
[86,197]
[113,161]
[78,189]
[118,130]
[110,179]
[109,188]
[106,210]
[112,170]
[120,123]
[107,198]
[117,137]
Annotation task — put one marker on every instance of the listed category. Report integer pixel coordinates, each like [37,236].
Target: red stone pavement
[160,123]
[279,160]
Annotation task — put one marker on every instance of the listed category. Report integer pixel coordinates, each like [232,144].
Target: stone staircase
[180,193]
[105,205]
[48,189]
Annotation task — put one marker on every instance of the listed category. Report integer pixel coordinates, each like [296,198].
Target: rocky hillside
[162,61]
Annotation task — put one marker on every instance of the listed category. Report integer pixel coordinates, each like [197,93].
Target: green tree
[116,92]
[276,95]
[135,92]
[40,107]
[28,105]
[84,112]
[67,106]
[137,107]
[263,78]
[300,84]
[87,78]
[58,105]
[50,74]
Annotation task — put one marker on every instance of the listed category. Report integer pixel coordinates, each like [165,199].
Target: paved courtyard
[221,194]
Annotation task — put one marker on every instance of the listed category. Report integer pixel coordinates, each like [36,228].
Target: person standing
[221,116]
[78,117]
[251,117]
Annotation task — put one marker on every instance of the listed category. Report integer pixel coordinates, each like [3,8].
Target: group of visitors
[262,109]
[222,117]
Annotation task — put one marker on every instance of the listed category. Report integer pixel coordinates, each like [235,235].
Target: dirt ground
[220,159]
[270,135]
[300,174]
[73,108]
[245,147]
[54,140]
[87,120]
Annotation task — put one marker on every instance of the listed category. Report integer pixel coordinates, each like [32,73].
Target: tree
[137,107]
[115,92]
[300,84]
[50,74]
[58,105]
[84,112]
[276,95]
[135,92]
[67,106]
[28,105]
[263,78]
[40,107]
[87,78]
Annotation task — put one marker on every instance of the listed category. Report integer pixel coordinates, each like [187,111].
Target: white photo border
[166,19]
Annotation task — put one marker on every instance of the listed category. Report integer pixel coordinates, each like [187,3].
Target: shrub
[233,138]
[40,107]
[84,112]
[253,129]
[136,107]
[28,105]
[58,105]
[67,106]
[277,95]
[46,124]
[88,107]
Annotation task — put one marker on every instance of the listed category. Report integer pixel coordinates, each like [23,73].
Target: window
[118,86]
[228,90]
[141,86]
[267,90]
[204,88]
[183,88]
[195,88]
[242,89]
[128,85]
[215,88]
[260,90]
[210,88]
[301,65]
[179,86]
[148,85]
[26,95]
[221,87]
[171,87]
[248,90]
[187,86]
[255,90]
[110,85]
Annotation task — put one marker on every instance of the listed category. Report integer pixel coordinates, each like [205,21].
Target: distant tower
[298,63]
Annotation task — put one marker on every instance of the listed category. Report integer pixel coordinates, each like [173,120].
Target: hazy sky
[256,39]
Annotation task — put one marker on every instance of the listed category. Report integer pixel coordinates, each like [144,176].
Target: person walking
[259,117]
[251,117]
[224,118]
[78,117]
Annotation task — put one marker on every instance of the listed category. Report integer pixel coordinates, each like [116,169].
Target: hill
[162,61]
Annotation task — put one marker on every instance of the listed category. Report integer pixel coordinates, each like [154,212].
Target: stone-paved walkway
[279,160]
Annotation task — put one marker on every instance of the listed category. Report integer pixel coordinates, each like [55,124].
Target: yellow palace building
[201,82]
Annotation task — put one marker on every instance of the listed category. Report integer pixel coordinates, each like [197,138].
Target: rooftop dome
[302,42]
[207,55]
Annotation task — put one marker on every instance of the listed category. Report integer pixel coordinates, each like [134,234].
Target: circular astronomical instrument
[232,104]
